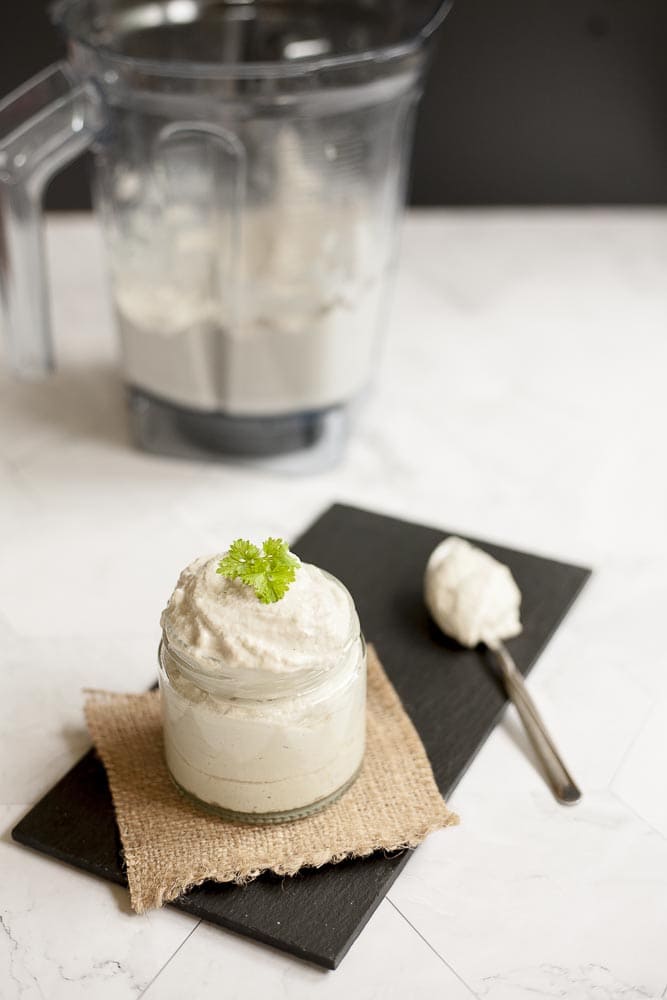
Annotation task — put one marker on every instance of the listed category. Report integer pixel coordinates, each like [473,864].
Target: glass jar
[259,746]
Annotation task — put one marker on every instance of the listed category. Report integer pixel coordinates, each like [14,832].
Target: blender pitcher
[250,166]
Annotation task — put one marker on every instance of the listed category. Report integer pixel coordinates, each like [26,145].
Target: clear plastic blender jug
[250,163]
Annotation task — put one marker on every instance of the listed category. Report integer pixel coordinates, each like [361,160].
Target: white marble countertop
[521,399]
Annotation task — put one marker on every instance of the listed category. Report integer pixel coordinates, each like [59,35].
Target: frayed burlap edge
[170,846]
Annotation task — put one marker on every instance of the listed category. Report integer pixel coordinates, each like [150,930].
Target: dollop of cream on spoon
[470,595]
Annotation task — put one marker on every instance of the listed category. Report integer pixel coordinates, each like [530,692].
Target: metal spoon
[562,783]
[474,599]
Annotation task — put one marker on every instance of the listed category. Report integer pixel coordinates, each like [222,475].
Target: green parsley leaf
[269,572]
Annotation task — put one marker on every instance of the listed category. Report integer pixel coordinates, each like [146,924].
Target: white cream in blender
[277,316]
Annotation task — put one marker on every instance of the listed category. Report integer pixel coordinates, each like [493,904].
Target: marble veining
[520,397]
[579,983]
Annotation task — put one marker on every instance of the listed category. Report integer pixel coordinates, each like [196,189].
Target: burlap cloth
[170,845]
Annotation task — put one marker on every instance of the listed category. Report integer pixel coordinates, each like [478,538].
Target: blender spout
[434,17]
[410,25]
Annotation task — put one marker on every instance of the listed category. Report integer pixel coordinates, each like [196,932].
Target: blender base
[294,442]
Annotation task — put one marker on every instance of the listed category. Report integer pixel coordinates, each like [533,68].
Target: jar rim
[240,687]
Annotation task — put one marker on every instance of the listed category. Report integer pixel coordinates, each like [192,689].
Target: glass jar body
[264,759]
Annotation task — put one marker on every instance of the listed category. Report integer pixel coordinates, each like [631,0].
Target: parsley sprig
[269,571]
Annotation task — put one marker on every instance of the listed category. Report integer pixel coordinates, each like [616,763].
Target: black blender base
[302,441]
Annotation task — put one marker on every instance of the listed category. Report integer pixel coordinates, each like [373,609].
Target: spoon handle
[560,779]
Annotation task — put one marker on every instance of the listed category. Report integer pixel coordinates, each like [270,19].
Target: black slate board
[451,695]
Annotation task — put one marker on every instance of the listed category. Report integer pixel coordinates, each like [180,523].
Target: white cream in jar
[263,704]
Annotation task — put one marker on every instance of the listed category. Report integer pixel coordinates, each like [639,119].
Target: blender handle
[45,124]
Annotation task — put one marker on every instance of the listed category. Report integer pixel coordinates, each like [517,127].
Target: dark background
[529,102]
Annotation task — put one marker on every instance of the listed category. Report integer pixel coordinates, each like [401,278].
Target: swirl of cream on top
[216,619]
